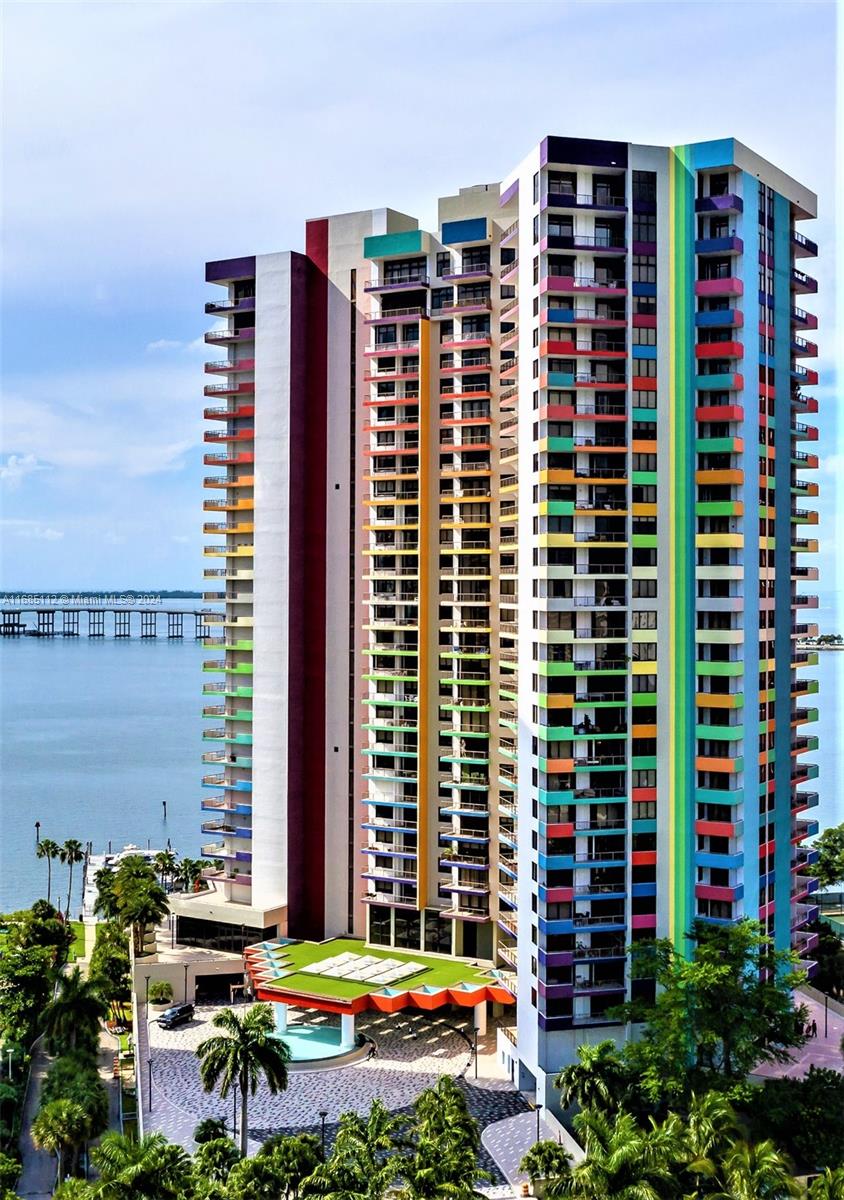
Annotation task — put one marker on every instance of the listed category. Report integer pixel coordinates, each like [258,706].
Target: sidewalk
[38,1173]
[822,1051]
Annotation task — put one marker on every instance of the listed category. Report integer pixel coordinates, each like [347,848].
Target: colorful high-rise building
[509,534]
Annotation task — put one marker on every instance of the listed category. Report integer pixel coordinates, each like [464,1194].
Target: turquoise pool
[310,1042]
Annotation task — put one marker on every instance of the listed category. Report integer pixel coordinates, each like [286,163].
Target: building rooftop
[346,974]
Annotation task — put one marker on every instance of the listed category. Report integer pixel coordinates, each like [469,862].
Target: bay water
[96,734]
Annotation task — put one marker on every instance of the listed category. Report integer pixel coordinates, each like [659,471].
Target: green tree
[755,1172]
[74,1189]
[241,1055]
[214,1159]
[550,1163]
[623,1161]
[75,1077]
[295,1159]
[803,1116]
[256,1178]
[717,1014]
[210,1129]
[61,1128]
[444,1146]
[599,1079]
[141,900]
[10,1168]
[109,965]
[829,1185]
[73,1016]
[50,850]
[70,853]
[441,1116]
[188,873]
[165,864]
[105,905]
[145,1169]
[24,988]
[829,869]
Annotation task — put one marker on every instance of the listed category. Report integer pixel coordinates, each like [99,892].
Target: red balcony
[719,350]
[229,414]
[729,286]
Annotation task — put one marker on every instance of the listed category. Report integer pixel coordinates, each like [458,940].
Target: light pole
[186,983]
[475,1032]
[149,1080]
[538,1112]
[9,1052]
[234,1112]
[322,1115]
[826,1016]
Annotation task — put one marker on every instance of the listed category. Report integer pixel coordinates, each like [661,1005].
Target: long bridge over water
[123,622]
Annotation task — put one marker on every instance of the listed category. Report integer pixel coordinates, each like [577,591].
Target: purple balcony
[729,203]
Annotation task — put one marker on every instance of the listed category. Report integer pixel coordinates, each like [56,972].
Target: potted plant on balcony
[160,993]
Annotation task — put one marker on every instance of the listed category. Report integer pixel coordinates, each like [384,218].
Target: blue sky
[141,139]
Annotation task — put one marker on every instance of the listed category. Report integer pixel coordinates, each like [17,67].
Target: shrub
[9,1170]
[160,991]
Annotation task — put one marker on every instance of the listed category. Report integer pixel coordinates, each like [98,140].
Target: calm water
[96,734]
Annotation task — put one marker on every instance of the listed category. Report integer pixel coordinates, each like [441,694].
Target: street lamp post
[234,1112]
[475,1032]
[9,1052]
[149,1080]
[186,983]
[322,1115]
[538,1118]
[826,1016]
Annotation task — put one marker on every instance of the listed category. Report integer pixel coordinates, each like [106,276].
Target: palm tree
[598,1079]
[106,903]
[363,1164]
[71,853]
[244,1053]
[623,1162]
[141,901]
[442,1117]
[549,1162]
[48,849]
[165,864]
[188,871]
[73,1016]
[829,1185]
[433,1172]
[61,1126]
[295,1158]
[146,1169]
[706,1135]
[755,1172]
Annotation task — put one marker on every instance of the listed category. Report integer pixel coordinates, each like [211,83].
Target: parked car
[179,1014]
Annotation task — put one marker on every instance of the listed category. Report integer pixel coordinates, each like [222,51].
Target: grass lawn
[77,946]
[437,972]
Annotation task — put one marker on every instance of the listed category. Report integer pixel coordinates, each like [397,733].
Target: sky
[140,140]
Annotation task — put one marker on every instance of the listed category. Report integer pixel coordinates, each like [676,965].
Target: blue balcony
[719,245]
[722,317]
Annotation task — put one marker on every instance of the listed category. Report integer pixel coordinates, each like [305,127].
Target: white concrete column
[347,1030]
[280,1017]
[480,1017]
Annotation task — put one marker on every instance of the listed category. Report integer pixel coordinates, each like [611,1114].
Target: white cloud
[32,529]
[163,344]
[181,538]
[17,467]
[135,421]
